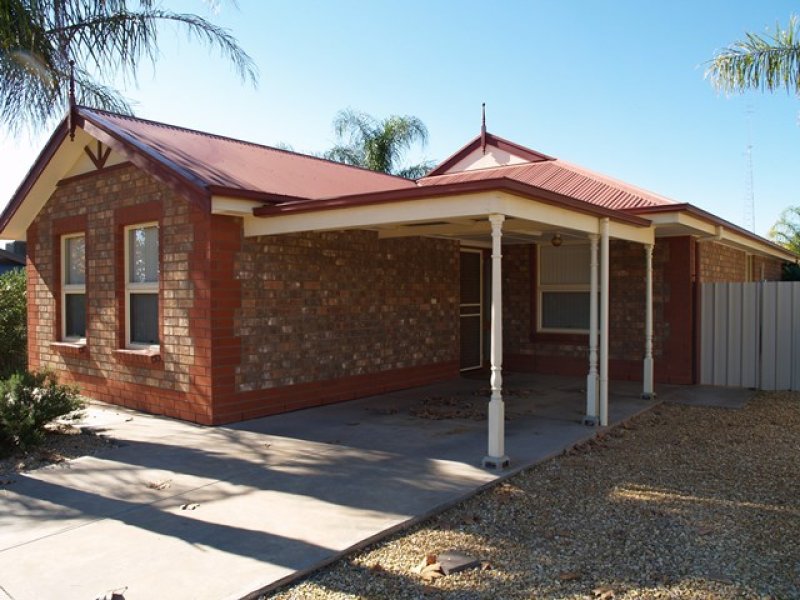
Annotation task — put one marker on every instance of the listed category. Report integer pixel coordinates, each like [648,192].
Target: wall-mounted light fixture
[556,240]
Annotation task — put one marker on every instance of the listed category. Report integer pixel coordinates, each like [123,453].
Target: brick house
[214,280]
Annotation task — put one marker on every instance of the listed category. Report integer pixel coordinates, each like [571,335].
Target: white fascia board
[440,209]
[719,233]
[235,207]
[373,215]
[632,233]
[62,162]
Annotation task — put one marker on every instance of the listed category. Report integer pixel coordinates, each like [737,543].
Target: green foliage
[13,317]
[790,272]
[38,38]
[365,142]
[786,230]
[28,401]
[761,62]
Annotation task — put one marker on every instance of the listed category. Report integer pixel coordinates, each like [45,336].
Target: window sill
[71,348]
[141,357]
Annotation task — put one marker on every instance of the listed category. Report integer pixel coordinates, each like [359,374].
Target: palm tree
[767,62]
[39,38]
[786,230]
[364,141]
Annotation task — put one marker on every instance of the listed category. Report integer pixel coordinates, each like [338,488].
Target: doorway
[471,309]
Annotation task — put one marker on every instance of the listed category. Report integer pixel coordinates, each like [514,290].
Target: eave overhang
[502,184]
[688,219]
[461,206]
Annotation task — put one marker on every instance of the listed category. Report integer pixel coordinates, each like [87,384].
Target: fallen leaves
[429,568]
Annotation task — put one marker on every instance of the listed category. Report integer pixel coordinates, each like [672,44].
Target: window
[73,288]
[564,283]
[141,285]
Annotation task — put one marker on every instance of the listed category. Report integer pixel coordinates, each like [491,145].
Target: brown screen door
[471,310]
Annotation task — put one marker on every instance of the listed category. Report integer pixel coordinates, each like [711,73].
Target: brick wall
[721,264]
[339,307]
[100,204]
[567,354]
[769,269]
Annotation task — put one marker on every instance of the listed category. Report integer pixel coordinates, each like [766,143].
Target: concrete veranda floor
[276,497]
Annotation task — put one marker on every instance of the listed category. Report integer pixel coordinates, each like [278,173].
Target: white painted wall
[494,157]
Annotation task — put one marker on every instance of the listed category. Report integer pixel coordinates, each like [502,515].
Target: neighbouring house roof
[7,257]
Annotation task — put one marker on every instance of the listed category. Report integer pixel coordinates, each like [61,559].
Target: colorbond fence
[750,335]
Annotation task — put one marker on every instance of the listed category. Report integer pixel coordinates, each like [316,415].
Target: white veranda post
[496,457]
[604,304]
[647,376]
[592,377]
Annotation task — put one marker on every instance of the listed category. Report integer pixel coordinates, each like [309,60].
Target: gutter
[501,184]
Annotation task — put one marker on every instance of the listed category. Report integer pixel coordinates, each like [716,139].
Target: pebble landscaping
[681,502]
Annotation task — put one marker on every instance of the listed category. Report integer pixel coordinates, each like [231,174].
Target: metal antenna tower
[749,190]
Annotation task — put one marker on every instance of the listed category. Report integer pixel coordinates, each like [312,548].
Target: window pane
[75,315]
[565,310]
[75,255]
[143,259]
[565,265]
[144,318]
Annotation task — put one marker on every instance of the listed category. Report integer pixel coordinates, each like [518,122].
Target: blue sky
[616,87]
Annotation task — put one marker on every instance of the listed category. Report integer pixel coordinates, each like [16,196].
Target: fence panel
[750,335]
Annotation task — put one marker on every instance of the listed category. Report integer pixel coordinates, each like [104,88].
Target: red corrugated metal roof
[229,163]
[562,178]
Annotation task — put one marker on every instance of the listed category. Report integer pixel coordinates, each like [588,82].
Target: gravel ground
[62,442]
[682,502]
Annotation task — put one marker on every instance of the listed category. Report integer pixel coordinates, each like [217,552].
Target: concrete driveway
[253,505]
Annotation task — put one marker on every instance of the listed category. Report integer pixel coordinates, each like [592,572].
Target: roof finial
[483,127]
[72,103]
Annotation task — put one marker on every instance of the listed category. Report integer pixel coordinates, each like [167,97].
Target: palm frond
[786,230]
[358,126]
[762,62]
[346,155]
[38,39]
[416,171]
[377,145]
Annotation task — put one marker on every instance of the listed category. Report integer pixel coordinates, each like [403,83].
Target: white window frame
[140,288]
[72,288]
[541,289]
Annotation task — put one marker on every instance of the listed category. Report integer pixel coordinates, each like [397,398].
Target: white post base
[591,417]
[496,464]
[647,388]
[496,458]
[604,405]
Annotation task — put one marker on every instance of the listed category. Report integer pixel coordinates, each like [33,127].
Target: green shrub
[791,272]
[13,330]
[28,401]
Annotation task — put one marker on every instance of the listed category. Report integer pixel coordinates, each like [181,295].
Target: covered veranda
[490,215]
